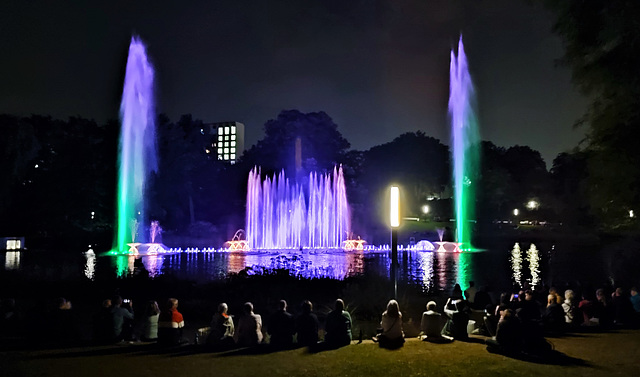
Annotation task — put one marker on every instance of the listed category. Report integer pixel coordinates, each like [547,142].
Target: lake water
[501,264]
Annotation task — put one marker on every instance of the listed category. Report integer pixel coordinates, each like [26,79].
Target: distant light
[93,215]
[395,207]
[207,151]
[515,212]
[36,166]
[532,204]
[631,214]
[425,209]
[138,213]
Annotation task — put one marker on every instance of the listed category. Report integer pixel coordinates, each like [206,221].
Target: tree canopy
[602,48]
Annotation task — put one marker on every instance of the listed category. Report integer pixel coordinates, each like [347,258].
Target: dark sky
[379,68]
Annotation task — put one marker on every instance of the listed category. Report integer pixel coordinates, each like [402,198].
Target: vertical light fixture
[394,221]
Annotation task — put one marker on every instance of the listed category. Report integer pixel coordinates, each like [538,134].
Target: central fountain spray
[279,216]
[137,144]
[464,134]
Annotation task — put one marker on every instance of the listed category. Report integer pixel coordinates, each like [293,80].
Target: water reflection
[533,257]
[432,271]
[516,265]
[12,260]
[90,264]
[153,264]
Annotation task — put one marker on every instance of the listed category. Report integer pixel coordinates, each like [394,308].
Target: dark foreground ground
[588,354]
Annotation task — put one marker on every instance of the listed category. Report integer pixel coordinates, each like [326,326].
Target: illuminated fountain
[281,215]
[137,145]
[237,243]
[464,135]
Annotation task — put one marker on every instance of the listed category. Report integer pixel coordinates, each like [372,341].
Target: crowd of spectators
[515,323]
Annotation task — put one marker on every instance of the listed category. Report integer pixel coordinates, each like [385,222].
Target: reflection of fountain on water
[280,216]
[533,257]
[153,264]
[516,264]
[90,264]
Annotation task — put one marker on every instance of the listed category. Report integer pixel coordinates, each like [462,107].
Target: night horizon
[375,69]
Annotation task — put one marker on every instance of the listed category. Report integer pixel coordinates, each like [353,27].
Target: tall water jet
[280,216]
[137,143]
[464,135]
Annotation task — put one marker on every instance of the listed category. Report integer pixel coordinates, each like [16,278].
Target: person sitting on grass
[508,339]
[281,327]
[553,318]
[170,324]
[307,326]
[338,327]
[249,332]
[391,335]
[121,318]
[222,328]
[458,321]
[570,309]
[431,325]
[150,324]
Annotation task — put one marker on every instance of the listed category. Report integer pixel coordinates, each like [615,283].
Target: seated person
[431,323]
[458,321]
[222,328]
[121,318]
[508,337]
[570,309]
[281,327]
[170,324]
[338,326]
[307,326]
[150,325]
[392,335]
[249,332]
[553,318]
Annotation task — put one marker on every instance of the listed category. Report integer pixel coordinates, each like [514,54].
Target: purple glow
[137,142]
[279,216]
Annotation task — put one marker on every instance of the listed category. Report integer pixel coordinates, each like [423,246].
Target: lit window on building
[220,157]
[233,137]
[226,130]
[226,137]
[233,156]
[220,130]
[226,143]
[233,143]
[226,150]
[219,150]
[13,245]
[219,137]
[233,150]
[226,156]
[233,129]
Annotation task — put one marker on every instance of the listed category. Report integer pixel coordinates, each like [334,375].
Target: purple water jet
[280,216]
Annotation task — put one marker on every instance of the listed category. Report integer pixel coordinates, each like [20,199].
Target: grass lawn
[610,354]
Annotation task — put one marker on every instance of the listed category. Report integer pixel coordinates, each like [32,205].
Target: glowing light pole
[394,220]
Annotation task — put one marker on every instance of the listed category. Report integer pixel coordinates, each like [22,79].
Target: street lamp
[394,221]
[515,212]
[425,209]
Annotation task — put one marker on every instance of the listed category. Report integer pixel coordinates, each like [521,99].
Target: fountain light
[516,264]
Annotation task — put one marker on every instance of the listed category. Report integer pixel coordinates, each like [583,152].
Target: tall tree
[321,144]
[602,48]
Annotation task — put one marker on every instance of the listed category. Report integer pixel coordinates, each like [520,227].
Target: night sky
[379,68]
